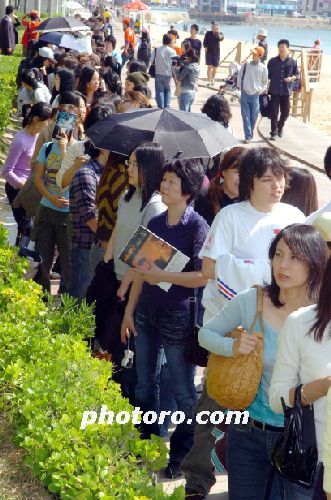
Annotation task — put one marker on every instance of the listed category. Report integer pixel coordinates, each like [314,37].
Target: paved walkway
[300,141]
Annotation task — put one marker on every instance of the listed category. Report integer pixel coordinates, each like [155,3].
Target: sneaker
[208,84]
[280,132]
[247,141]
[173,470]
[193,494]
[272,137]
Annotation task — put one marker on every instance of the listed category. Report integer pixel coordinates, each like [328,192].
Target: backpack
[143,52]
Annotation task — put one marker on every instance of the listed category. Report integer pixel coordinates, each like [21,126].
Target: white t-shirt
[238,241]
[72,153]
[300,359]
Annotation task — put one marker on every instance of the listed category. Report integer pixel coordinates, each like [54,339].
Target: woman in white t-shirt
[235,257]
[304,357]
[138,205]
[235,253]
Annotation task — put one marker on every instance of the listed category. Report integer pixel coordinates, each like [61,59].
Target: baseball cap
[47,53]
[259,51]
[262,32]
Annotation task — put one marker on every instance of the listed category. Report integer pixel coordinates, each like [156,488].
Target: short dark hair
[190,173]
[69,97]
[150,158]
[283,41]
[307,244]
[193,55]
[195,26]
[255,163]
[302,191]
[111,39]
[327,162]
[218,109]
[167,39]
[137,66]
[9,10]
[40,110]
[96,114]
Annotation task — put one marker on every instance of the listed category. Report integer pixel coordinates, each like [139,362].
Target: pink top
[17,165]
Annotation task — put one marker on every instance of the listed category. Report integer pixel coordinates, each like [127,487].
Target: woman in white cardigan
[304,357]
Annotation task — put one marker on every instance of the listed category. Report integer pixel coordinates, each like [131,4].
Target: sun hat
[259,51]
[262,32]
[323,224]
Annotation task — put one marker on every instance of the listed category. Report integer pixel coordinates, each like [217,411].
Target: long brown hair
[323,306]
[302,191]
[215,193]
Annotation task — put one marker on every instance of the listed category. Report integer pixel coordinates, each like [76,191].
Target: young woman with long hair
[64,81]
[88,83]
[17,167]
[303,357]
[140,203]
[298,257]
[301,191]
[223,190]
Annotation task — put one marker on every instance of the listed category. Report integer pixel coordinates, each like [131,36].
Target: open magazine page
[145,249]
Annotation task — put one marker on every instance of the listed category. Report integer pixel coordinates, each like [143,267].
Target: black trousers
[23,221]
[282,103]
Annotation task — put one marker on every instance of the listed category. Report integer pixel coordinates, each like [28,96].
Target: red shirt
[30,33]
[129,37]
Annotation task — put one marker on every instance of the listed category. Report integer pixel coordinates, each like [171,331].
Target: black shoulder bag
[152,67]
[295,455]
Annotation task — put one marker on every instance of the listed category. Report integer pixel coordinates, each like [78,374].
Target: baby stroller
[230,83]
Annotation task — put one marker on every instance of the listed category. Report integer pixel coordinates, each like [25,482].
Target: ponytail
[41,110]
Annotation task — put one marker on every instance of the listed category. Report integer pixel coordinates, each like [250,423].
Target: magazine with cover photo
[145,248]
[65,124]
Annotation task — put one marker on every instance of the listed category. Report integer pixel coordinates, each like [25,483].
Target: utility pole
[38,5]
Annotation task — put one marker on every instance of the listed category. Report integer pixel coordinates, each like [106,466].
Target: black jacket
[277,71]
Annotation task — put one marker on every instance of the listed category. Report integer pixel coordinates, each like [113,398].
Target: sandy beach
[321,103]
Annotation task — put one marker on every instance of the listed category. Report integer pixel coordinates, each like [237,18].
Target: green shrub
[47,379]
[8,71]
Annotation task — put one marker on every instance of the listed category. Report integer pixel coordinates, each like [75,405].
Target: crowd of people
[246,219]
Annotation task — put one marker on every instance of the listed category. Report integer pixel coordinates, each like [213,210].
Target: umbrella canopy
[53,37]
[193,134]
[62,24]
[135,6]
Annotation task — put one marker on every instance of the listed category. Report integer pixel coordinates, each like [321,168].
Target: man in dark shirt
[262,42]
[7,32]
[173,33]
[196,44]
[211,43]
[282,73]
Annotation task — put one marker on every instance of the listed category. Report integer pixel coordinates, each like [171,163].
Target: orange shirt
[30,33]
[129,37]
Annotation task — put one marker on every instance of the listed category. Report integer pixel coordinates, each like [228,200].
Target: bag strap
[242,78]
[259,309]
[154,55]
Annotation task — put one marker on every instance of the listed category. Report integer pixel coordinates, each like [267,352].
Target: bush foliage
[47,379]
[8,93]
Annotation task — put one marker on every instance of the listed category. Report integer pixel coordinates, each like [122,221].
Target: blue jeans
[250,108]
[162,91]
[186,100]
[249,468]
[167,328]
[81,275]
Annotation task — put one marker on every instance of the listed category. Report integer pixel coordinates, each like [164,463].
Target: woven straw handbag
[234,382]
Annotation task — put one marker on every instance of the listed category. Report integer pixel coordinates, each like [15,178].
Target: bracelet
[303,395]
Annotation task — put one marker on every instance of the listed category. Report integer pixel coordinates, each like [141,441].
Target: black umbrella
[62,24]
[53,37]
[193,134]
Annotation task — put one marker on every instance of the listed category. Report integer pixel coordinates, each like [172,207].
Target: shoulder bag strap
[242,78]
[259,309]
[154,55]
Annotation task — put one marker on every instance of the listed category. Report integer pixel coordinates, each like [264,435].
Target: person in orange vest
[129,41]
[30,27]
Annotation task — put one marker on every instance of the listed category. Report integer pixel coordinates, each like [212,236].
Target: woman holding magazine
[137,206]
[159,318]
